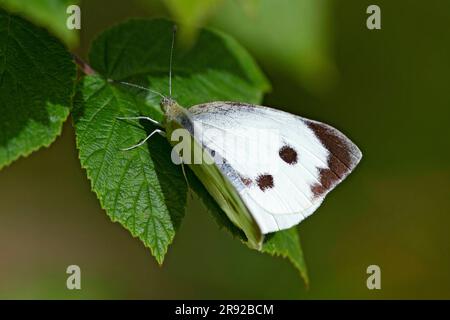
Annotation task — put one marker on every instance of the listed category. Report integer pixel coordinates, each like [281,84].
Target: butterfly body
[267,169]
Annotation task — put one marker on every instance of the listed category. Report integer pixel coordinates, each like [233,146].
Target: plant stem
[83,65]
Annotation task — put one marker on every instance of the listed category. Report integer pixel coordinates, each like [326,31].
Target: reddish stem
[83,65]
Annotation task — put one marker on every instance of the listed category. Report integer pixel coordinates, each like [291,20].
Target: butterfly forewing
[282,165]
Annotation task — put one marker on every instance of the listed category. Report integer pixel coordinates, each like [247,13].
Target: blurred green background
[387,89]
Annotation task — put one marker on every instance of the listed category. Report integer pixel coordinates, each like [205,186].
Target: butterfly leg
[187,181]
[145,140]
[162,133]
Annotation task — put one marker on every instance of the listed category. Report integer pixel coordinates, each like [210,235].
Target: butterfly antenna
[171,58]
[140,87]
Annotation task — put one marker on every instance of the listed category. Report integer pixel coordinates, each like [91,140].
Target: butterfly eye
[265,181]
[288,155]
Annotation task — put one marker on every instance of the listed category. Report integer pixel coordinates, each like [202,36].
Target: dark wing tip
[344,156]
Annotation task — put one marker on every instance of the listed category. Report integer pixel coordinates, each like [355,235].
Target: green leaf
[50,14]
[36,86]
[216,68]
[286,244]
[142,189]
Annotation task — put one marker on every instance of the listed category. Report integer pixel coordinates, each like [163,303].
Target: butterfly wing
[282,165]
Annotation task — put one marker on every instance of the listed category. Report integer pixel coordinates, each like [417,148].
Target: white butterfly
[305,161]
[312,159]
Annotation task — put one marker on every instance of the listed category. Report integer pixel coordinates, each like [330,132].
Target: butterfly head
[172,110]
[167,104]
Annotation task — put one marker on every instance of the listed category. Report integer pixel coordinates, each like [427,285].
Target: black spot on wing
[265,181]
[288,154]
